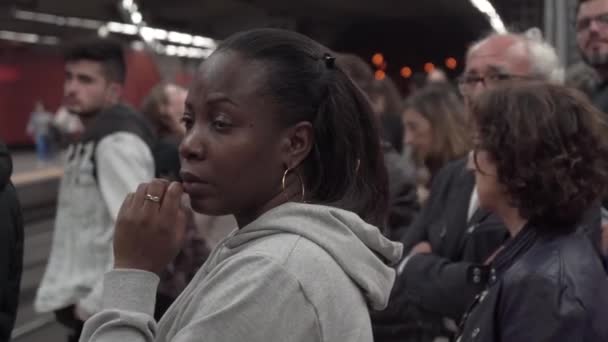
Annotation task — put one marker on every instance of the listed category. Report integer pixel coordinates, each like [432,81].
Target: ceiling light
[136,18]
[485,7]
[103,31]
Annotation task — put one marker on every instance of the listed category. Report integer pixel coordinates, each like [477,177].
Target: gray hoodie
[300,272]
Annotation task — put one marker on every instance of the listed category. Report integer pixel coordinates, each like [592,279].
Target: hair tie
[330,61]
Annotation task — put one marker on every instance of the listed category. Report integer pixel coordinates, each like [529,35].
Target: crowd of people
[288,195]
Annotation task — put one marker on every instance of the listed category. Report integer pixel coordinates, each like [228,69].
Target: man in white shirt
[109,161]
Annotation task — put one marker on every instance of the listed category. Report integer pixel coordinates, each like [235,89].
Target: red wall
[142,75]
[37,76]
[29,73]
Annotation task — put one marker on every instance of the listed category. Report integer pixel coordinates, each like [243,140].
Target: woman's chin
[208,206]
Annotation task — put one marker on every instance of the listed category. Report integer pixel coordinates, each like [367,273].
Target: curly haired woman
[540,160]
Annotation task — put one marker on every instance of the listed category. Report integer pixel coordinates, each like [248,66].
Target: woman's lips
[193,188]
[192,184]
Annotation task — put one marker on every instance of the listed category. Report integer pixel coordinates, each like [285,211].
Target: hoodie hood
[6,166]
[359,248]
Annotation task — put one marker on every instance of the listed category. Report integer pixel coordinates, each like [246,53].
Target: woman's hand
[150,227]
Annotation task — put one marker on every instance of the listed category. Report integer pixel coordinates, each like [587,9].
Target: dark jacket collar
[510,252]
[513,249]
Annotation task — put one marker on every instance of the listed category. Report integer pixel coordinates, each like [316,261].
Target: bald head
[499,53]
[510,56]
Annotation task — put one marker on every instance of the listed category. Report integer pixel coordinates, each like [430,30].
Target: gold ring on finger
[155,199]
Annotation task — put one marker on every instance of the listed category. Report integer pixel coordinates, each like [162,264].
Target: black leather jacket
[541,287]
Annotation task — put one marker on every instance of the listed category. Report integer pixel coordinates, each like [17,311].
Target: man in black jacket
[452,235]
[11,246]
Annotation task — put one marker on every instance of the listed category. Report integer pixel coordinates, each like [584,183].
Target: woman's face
[232,156]
[491,194]
[418,133]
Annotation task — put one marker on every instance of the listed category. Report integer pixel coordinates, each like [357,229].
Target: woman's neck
[292,193]
[512,219]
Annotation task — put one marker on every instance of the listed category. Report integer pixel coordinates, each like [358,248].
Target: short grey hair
[545,64]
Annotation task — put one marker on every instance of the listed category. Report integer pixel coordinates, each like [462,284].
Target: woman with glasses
[539,162]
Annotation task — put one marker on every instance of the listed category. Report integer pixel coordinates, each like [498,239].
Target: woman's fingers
[140,195]
[150,227]
[154,196]
[172,212]
[172,201]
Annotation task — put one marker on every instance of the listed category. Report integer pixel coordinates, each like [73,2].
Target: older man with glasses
[453,238]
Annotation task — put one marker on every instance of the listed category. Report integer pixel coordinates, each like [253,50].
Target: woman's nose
[191,147]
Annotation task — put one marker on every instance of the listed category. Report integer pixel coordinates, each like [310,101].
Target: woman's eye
[187,121]
[221,125]
[221,122]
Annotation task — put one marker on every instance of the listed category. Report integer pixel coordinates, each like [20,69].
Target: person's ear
[114,92]
[297,143]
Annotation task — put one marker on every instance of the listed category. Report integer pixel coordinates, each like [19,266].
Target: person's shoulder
[124,143]
[454,169]
[277,247]
[398,167]
[560,259]
[8,197]
[293,253]
[453,174]
[120,118]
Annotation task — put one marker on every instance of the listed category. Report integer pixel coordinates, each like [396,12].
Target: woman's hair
[390,125]
[388,90]
[444,110]
[550,149]
[345,168]
[358,71]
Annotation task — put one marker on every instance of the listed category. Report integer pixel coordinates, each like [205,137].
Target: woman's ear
[297,144]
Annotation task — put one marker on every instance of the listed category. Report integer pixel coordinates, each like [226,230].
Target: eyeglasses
[585,23]
[468,82]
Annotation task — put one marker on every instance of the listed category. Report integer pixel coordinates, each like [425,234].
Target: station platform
[37,184]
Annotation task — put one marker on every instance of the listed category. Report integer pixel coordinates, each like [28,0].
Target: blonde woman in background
[435,125]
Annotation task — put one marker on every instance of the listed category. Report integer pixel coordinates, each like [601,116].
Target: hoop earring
[303,189]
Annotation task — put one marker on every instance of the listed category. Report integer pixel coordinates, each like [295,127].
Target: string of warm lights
[380,63]
[484,6]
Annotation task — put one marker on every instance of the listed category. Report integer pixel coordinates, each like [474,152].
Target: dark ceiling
[408,32]
[326,20]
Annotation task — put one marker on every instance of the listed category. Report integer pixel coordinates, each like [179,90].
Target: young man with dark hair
[592,39]
[110,160]
[11,246]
